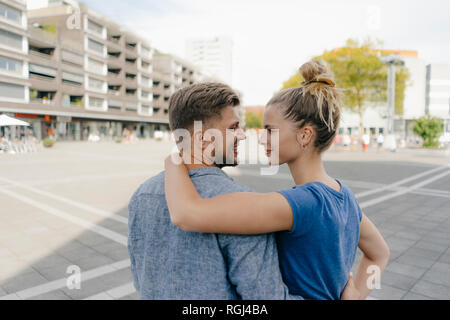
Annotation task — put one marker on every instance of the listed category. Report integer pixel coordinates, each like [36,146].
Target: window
[11,65]
[114,104]
[95,27]
[96,84]
[9,90]
[145,81]
[145,109]
[131,106]
[11,39]
[42,71]
[145,51]
[145,94]
[95,66]
[10,13]
[72,78]
[45,97]
[69,100]
[96,102]
[71,57]
[95,46]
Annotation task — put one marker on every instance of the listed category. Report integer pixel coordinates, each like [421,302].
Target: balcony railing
[114,92]
[42,101]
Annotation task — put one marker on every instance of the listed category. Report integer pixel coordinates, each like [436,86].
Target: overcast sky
[273,38]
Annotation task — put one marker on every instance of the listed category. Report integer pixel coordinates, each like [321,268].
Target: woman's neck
[309,168]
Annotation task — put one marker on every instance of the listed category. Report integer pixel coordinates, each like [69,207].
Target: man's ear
[199,140]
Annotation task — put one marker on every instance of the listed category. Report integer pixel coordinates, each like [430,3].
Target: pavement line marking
[96,211]
[84,178]
[400,182]
[115,293]
[114,158]
[431,194]
[402,192]
[355,183]
[117,237]
[62,283]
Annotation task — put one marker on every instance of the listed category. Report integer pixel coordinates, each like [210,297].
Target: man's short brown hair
[199,102]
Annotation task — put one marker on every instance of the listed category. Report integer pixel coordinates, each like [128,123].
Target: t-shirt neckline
[337,193]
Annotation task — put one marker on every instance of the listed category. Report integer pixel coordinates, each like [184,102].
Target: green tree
[360,72]
[430,129]
[253,121]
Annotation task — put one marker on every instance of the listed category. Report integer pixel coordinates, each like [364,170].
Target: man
[168,263]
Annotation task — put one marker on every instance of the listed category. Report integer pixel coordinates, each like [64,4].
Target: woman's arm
[376,253]
[236,213]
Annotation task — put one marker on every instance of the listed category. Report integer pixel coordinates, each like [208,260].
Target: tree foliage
[360,72]
[430,129]
[253,120]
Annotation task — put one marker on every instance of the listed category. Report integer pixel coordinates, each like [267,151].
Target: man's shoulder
[152,186]
[207,184]
[212,185]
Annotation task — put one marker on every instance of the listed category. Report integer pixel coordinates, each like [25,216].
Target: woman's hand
[179,191]
[172,160]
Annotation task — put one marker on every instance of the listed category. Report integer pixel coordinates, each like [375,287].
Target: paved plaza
[67,206]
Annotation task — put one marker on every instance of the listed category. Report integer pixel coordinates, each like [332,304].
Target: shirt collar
[208,171]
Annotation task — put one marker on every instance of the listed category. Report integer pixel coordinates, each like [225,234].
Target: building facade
[213,55]
[14,60]
[438,94]
[427,92]
[73,73]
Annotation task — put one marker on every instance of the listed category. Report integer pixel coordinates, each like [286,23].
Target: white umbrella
[6,121]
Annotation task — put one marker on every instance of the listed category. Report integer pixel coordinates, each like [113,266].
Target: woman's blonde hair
[315,103]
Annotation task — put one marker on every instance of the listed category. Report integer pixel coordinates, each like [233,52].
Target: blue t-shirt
[317,255]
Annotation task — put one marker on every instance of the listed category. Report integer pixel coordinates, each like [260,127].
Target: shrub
[430,129]
[48,143]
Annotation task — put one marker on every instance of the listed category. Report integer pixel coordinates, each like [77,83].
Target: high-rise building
[213,55]
[438,94]
[66,67]
[14,59]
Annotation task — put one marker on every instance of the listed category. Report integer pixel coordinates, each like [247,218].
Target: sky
[272,39]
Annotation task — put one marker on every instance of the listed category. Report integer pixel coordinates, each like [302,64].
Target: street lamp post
[392,61]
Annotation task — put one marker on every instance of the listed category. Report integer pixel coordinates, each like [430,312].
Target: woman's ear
[305,136]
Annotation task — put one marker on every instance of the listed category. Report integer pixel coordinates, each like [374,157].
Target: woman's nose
[262,137]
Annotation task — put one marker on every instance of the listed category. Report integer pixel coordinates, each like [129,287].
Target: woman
[319,222]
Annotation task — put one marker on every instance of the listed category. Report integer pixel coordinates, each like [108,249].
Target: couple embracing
[196,234]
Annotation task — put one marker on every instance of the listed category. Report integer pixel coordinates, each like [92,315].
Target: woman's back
[317,255]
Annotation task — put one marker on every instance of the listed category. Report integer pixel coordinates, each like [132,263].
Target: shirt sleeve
[305,203]
[135,240]
[253,267]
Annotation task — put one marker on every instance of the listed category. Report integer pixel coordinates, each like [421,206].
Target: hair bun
[316,72]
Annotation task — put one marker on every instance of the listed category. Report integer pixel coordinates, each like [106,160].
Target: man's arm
[253,267]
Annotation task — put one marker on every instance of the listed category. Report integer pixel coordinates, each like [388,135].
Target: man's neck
[198,165]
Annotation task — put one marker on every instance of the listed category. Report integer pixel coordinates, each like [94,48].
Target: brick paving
[68,206]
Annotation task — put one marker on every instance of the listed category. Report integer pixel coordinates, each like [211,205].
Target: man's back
[168,263]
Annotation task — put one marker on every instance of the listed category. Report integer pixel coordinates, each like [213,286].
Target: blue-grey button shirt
[168,263]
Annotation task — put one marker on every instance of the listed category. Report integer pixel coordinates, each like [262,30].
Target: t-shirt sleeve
[305,203]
